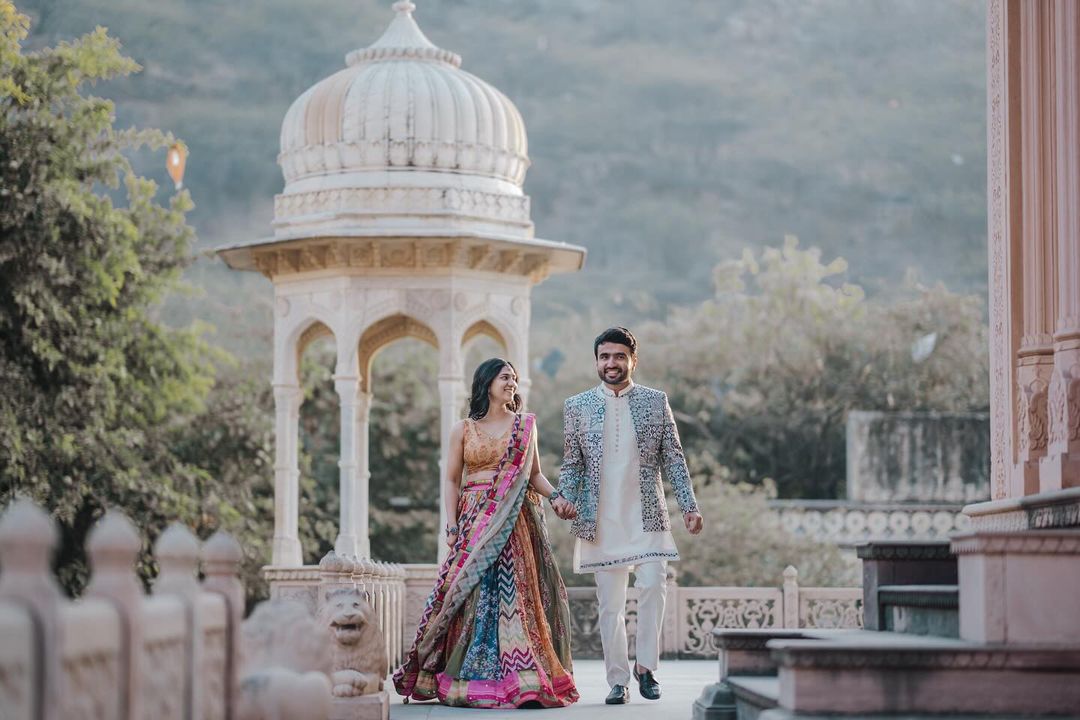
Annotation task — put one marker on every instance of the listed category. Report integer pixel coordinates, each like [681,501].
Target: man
[618,436]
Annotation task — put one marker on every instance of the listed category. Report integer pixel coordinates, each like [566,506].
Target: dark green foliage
[95,389]
[763,375]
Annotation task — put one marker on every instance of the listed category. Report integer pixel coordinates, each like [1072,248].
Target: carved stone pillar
[451,398]
[1039,250]
[348,388]
[286,547]
[363,474]
[1061,466]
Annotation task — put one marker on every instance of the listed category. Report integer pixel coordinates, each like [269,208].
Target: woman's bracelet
[452,529]
[555,494]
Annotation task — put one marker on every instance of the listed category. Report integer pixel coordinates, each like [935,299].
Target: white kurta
[620,537]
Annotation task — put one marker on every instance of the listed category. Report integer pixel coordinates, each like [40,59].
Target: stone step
[754,695]
[921,609]
[900,562]
[883,672]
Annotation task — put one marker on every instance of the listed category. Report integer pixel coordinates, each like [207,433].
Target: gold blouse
[482,452]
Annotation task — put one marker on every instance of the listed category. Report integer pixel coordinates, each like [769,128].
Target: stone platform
[681,682]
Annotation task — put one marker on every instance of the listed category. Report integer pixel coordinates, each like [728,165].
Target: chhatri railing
[692,613]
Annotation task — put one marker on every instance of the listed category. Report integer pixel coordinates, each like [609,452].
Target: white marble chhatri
[402,215]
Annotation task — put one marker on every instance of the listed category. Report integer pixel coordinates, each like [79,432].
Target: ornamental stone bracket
[392,256]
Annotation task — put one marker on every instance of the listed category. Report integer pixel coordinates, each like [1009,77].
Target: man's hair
[619,335]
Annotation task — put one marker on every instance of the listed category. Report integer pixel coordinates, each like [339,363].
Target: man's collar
[608,392]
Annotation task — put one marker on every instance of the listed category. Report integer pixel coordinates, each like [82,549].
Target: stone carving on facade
[286,664]
[358,201]
[1065,405]
[359,661]
[395,254]
[1033,417]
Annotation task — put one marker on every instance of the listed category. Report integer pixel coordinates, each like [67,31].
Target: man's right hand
[564,508]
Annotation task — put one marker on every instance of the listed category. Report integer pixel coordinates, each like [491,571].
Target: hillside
[664,137]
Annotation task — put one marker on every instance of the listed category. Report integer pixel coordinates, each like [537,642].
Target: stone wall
[918,457]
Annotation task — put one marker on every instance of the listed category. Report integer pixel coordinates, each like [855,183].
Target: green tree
[763,375]
[95,388]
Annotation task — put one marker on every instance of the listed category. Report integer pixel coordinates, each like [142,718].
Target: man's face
[614,363]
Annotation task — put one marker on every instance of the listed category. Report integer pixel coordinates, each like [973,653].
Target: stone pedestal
[364,707]
[1019,587]
[901,563]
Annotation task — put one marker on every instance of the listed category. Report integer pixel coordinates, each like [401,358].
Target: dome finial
[403,39]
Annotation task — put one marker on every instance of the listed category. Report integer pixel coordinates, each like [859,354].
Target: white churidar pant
[650,579]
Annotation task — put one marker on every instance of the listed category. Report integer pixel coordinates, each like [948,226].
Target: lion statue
[358,646]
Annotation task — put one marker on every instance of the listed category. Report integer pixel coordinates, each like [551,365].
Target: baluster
[113,547]
[791,597]
[222,557]
[28,537]
[177,553]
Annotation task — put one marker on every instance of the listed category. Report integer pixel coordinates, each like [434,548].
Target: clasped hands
[563,508]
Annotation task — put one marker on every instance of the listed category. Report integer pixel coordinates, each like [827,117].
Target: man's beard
[621,377]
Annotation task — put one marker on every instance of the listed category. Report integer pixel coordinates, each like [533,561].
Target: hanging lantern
[175,161]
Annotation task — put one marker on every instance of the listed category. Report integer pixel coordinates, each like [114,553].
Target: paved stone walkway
[681,682]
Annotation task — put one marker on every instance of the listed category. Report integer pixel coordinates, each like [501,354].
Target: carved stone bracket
[395,254]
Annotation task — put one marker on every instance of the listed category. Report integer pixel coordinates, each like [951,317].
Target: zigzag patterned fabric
[495,632]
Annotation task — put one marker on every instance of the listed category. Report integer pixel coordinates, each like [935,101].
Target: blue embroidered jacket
[658,445]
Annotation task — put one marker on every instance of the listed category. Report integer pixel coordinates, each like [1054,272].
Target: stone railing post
[28,537]
[177,553]
[222,557]
[113,547]
[791,597]
[396,631]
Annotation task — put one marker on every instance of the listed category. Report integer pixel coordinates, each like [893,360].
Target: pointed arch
[384,332]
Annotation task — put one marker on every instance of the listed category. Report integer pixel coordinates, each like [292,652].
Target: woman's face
[502,388]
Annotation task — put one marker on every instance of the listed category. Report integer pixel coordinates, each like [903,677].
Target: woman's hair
[485,374]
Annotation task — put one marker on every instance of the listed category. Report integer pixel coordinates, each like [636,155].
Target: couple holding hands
[495,631]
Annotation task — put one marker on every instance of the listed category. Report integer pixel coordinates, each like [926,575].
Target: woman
[496,629]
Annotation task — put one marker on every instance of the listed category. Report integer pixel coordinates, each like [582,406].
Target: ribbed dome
[403,104]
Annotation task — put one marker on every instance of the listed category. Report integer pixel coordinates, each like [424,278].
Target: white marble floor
[681,682]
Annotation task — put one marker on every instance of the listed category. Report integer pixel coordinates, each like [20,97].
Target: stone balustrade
[692,613]
[183,652]
[115,652]
[847,523]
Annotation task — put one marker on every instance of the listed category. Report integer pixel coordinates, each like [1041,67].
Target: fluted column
[363,474]
[286,546]
[348,389]
[451,397]
[1061,466]
[1038,255]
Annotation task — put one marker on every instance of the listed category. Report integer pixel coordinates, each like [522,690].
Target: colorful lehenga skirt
[495,631]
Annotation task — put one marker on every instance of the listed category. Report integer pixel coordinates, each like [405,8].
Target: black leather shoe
[647,685]
[619,695]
